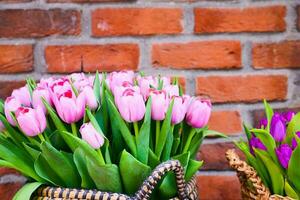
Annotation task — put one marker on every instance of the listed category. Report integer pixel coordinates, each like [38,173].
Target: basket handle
[247,174]
[149,184]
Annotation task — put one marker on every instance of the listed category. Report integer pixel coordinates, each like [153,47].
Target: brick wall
[237,52]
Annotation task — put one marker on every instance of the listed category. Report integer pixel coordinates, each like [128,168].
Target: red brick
[213,156]
[219,187]
[4,170]
[89,58]
[8,190]
[14,1]
[256,19]
[276,55]
[228,122]
[250,88]
[197,55]
[8,86]
[39,23]
[136,21]
[16,58]
[85,1]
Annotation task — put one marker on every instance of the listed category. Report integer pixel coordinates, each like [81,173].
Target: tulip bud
[198,113]
[90,97]
[277,128]
[91,135]
[284,153]
[256,143]
[31,121]
[160,104]
[179,109]
[131,105]
[37,96]
[23,95]
[11,105]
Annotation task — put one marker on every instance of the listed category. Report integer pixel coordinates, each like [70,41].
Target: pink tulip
[31,121]
[198,113]
[59,86]
[11,105]
[119,90]
[37,96]
[90,98]
[172,90]
[69,107]
[165,80]
[1,126]
[131,105]
[145,83]
[80,81]
[179,109]
[160,104]
[118,78]
[45,82]
[23,95]
[91,135]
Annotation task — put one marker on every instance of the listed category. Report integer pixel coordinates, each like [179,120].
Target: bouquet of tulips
[273,151]
[105,132]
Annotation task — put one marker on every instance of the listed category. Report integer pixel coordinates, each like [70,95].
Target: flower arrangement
[273,151]
[104,132]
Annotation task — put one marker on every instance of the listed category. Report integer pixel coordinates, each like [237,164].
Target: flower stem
[157,132]
[188,141]
[41,137]
[101,156]
[136,129]
[74,129]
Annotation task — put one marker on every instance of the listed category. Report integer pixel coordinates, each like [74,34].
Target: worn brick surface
[228,122]
[8,86]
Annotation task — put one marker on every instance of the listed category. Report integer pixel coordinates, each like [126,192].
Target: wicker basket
[252,186]
[185,191]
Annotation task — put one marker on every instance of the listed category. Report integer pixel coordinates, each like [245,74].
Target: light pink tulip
[45,82]
[179,109]
[37,96]
[160,104]
[172,90]
[118,78]
[166,81]
[145,83]
[31,121]
[69,107]
[91,135]
[11,105]
[80,81]
[119,90]
[59,86]
[23,95]
[198,113]
[131,105]
[90,98]
[1,126]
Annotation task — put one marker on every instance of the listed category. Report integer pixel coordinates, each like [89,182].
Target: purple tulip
[90,98]
[198,113]
[172,90]
[160,104]
[1,126]
[31,121]
[263,123]
[277,128]
[91,135]
[11,105]
[37,96]
[294,141]
[179,109]
[23,95]
[131,105]
[69,107]
[284,153]
[256,143]
[288,116]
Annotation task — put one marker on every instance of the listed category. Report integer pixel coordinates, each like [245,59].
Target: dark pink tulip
[31,121]
[11,105]
[131,105]
[198,113]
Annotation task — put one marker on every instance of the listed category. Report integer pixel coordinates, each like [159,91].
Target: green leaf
[31,150]
[183,159]
[175,146]
[94,122]
[4,163]
[168,147]
[68,173]
[293,171]
[269,113]
[143,138]
[26,191]
[153,159]
[195,144]
[290,191]
[164,131]
[277,179]
[293,127]
[56,120]
[207,133]
[247,131]
[80,162]
[192,168]
[1,106]
[97,87]
[127,136]
[106,177]
[133,176]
